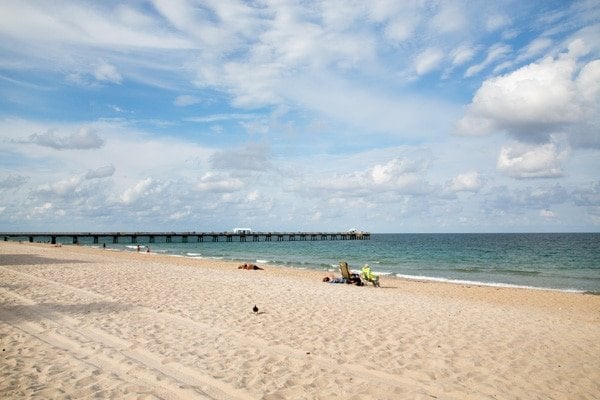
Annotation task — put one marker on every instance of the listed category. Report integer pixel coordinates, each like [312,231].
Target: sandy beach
[79,322]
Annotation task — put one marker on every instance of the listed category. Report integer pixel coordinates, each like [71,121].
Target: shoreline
[335,270]
[474,290]
[90,322]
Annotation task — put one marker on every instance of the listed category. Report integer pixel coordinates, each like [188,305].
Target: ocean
[560,261]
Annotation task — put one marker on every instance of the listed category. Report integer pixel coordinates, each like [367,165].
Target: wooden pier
[178,237]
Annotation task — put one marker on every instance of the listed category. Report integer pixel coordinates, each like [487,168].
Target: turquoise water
[564,261]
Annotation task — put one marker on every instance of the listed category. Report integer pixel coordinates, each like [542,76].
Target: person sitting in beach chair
[348,276]
[369,276]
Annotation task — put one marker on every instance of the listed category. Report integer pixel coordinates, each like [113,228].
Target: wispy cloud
[85,139]
[299,114]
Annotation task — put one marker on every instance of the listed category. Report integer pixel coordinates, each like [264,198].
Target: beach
[82,322]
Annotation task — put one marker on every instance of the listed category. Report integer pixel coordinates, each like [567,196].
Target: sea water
[563,261]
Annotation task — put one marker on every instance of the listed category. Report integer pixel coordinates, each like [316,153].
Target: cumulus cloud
[85,139]
[537,100]
[102,172]
[467,182]
[139,190]
[63,188]
[41,210]
[520,160]
[393,171]
[219,183]
[398,176]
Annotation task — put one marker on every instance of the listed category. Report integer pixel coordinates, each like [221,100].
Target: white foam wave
[478,283]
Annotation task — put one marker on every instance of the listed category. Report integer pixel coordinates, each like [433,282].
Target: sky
[283,115]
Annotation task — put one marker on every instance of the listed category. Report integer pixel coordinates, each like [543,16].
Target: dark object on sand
[249,267]
[255,309]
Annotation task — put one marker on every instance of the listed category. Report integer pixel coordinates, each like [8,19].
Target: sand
[78,322]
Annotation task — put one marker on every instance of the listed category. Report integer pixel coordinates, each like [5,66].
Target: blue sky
[387,116]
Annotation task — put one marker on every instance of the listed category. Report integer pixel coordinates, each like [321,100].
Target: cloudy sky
[384,115]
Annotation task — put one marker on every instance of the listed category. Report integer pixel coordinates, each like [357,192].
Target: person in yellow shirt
[369,276]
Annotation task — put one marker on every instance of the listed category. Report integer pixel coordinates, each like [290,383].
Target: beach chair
[369,276]
[348,276]
[345,270]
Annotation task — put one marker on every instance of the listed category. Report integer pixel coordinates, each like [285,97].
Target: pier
[177,237]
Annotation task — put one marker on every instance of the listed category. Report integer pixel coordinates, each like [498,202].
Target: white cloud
[536,101]
[428,60]
[467,182]
[496,52]
[84,139]
[102,172]
[392,172]
[62,188]
[462,54]
[547,214]
[41,210]
[535,48]
[139,190]
[450,18]
[219,183]
[520,160]
[496,21]
[107,72]
[399,30]
[349,67]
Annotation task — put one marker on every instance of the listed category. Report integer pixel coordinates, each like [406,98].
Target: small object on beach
[255,309]
[249,266]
